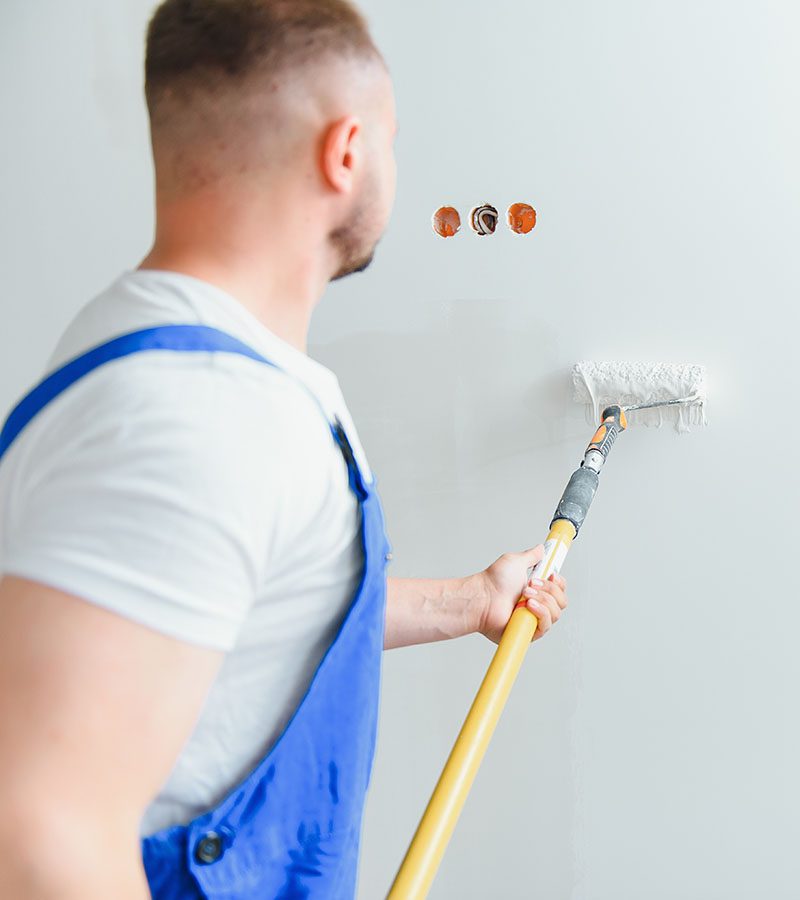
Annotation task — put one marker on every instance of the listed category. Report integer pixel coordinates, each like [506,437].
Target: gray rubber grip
[577,497]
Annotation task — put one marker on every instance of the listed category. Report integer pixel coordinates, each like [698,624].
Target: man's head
[251,98]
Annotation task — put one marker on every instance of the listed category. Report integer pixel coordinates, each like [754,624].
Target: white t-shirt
[199,494]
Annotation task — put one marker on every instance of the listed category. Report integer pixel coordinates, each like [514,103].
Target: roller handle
[612,423]
[582,486]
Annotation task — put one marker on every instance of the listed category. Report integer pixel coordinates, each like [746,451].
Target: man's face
[356,239]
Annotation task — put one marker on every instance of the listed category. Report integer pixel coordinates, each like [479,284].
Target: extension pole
[433,833]
[439,819]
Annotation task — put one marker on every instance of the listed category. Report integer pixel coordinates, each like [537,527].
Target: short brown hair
[208,44]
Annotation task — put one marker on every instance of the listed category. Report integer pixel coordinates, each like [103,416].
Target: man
[191,548]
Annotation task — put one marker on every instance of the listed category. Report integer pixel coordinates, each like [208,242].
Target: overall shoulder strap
[180,338]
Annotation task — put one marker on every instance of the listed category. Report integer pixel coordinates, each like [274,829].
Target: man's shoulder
[186,403]
[200,395]
[185,413]
[151,379]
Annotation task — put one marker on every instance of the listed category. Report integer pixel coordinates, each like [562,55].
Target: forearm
[51,857]
[421,610]
[27,884]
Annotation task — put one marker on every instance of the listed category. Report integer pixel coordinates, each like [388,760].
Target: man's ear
[341,153]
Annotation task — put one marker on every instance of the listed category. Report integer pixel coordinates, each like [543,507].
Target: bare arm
[94,710]
[420,610]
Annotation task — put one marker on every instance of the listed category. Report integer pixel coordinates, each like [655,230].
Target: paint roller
[647,393]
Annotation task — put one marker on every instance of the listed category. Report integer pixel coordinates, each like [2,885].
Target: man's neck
[279,276]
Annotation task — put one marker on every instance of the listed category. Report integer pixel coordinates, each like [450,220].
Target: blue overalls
[291,828]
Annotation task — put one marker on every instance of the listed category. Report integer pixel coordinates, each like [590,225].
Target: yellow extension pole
[430,840]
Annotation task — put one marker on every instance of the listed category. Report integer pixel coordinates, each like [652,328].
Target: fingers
[557,586]
[559,580]
[546,600]
[541,609]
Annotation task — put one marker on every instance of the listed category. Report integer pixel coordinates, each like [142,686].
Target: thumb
[532,556]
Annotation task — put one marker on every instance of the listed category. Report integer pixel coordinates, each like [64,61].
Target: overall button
[209,848]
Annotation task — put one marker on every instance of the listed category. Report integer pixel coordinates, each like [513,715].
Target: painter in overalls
[193,557]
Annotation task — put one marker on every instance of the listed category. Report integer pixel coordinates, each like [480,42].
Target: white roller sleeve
[599,384]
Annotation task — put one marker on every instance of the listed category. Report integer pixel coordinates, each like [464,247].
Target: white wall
[650,747]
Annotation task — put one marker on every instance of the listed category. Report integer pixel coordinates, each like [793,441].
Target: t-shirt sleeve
[159,498]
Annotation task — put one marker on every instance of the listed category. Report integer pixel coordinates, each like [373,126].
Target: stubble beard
[354,250]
